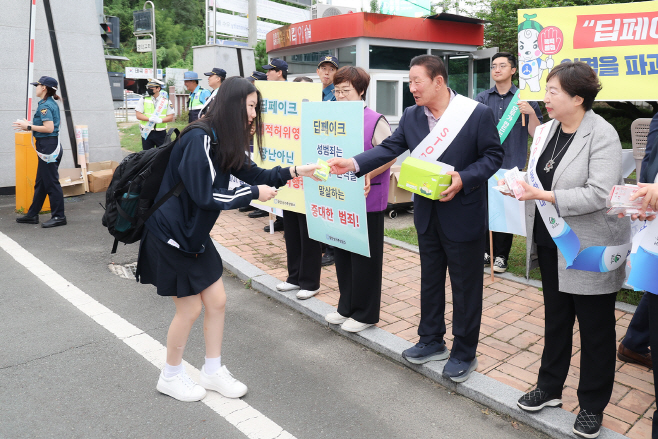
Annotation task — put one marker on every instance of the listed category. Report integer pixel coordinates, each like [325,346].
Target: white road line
[245,418]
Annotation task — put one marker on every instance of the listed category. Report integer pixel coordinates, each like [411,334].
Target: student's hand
[306,171]
[341,166]
[266,193]
[366,187]
[454,187]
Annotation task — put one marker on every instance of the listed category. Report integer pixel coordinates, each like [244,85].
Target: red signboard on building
[369,25]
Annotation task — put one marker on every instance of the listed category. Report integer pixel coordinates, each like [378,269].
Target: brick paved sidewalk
[511,337]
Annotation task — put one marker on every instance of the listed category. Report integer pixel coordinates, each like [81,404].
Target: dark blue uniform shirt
[516,143]
[328,93]
[47,110]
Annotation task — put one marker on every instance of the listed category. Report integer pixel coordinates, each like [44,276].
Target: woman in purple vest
[359,277]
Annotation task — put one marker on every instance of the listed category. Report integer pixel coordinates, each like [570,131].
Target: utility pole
[253,23]
[153,45]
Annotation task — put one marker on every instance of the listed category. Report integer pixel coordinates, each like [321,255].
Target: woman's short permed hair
[359,78]
[577,79]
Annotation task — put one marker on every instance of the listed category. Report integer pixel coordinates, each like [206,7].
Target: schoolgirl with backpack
[176,252]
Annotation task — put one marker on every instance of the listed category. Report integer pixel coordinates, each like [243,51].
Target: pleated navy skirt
[173,272]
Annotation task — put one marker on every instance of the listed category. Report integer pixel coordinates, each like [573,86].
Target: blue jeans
[637,335]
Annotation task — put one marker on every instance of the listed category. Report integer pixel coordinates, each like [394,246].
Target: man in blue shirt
[326,70]
[498,98]
[198,95]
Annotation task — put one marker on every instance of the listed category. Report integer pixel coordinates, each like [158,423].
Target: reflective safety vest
[194,102]
[149,109]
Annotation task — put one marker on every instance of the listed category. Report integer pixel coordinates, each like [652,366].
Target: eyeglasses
[500,66]
[345,92]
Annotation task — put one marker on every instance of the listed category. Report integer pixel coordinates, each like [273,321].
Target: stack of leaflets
[619,201]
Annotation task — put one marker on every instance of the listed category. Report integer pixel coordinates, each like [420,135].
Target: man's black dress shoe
[54,222]
[258,214]
[28,219]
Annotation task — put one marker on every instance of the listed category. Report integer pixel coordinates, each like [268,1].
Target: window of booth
[458,74]
[306,62]
[387,98]
[407,98]
[481,75]
[393,58]
[347,56]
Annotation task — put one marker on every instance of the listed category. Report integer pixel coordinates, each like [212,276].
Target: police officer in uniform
[277,70]
[215,79]
[257,76]
[45,128]
[198,95]
[145,112]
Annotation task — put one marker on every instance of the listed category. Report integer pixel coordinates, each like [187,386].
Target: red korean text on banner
[608,30]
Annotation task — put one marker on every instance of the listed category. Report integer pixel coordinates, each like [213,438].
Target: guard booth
[384,45]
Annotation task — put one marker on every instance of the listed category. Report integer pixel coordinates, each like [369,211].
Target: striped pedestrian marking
[238,413]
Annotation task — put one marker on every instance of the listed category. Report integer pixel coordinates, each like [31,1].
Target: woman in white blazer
[579,163]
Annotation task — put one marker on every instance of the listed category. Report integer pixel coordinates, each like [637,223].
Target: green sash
[508,120]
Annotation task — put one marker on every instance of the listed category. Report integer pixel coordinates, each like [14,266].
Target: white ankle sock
[171,371]
[213,365]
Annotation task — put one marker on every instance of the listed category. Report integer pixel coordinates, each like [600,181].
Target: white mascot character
[532,66]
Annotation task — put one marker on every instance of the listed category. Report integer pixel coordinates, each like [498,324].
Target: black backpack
[134,187]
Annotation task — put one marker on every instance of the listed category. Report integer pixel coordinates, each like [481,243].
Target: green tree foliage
[260,56]
[179,27]
[373,6]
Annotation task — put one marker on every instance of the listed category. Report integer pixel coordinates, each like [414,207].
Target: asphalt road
[64,375]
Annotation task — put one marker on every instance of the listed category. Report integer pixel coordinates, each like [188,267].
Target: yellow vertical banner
[619,41]
[282,141]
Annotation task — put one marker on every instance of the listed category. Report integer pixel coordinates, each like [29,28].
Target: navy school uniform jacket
[475,153]
[185,221]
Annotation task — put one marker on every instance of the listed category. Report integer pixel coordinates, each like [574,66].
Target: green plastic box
[323,172]
[423,178]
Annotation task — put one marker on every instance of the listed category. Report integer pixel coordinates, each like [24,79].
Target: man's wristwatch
[29,127]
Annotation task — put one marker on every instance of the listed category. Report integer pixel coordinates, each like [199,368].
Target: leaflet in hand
[619,201]
[323,171]
[513,179]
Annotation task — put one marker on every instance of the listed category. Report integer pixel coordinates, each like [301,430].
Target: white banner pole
[30,61]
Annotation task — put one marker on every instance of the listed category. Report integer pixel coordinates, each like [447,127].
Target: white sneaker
[352,325]
[306,294]
[223,382]
[285,286]
[181,387]
[335,318]
[500,265]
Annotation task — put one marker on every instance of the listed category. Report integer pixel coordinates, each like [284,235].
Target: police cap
[258,76]
[217,71]
[329,59]
[190,76]
[276,63]
[47,81]
[154,83]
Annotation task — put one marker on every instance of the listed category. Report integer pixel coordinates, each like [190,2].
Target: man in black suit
[450,230]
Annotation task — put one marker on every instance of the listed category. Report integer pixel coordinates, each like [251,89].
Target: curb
[480,388]
[621,306]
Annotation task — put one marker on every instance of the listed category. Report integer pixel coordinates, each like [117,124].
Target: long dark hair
[227,116]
